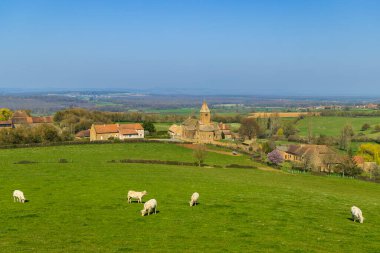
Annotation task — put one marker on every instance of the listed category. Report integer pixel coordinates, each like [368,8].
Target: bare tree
[345,137]
[311,161]
[249,128]
[200,154]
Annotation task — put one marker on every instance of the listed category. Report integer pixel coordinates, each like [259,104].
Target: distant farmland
[282,114]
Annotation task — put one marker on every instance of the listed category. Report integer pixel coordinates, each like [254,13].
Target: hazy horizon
[299,48]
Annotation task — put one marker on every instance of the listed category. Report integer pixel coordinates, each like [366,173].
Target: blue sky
[324,47]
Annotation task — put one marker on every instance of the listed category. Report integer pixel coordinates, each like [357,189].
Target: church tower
[205,114]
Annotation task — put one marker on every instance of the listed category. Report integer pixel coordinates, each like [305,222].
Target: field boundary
[181,163]
[68,143]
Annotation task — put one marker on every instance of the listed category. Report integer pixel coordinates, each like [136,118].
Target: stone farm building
[20,118]
[116,131]
[324,158]
[200,130]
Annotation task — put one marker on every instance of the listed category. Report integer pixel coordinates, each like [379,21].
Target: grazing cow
[136,195]
[18,196]
[194,199]
[357,214]
[149,206]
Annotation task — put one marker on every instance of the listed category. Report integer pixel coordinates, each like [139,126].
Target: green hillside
[81,206]
[331,126]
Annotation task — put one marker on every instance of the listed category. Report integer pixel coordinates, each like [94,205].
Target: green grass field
[331,126]
[81,206]
[164,126]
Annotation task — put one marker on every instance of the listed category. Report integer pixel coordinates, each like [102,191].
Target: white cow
[136,195]
[149,206]
[357,214]
[18,196]
[194,199]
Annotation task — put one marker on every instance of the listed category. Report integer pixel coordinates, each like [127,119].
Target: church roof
[204,107]
[207,128]
[190,122]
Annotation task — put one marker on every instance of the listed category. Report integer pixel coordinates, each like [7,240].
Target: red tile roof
[83,133]
[128,131]
[116,128]
[48,119]
[358,160]
[6,122]
[136,126]
[104,129]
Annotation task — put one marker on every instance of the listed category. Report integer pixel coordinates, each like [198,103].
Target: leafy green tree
[280,132]
[289,129]
[5,114]
[149,126]
[268,146]
[370,152]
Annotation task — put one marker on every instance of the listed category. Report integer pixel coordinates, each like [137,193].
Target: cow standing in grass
[194,199]
[136,195]
[357,214]
[149,206]
[18,196]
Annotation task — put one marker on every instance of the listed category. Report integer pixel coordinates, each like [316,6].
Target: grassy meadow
[81,206]
[331,126]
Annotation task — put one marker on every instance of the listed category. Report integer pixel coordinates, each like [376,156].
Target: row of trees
[43,133]
[267,127]
[273,128]
[77,119]
[348,113]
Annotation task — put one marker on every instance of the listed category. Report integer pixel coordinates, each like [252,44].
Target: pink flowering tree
[275,157]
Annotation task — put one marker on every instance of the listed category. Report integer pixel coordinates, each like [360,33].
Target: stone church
[202,129]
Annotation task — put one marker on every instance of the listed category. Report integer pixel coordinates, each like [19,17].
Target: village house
[20,118]
[84,134]
[226,130]
[365,166]
[323,157]
[6,124]
[200,130]
[116,131]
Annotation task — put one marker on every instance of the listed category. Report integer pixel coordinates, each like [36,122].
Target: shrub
[377,129]
[286,166]
[24,162]
[63,160]
[365,127]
